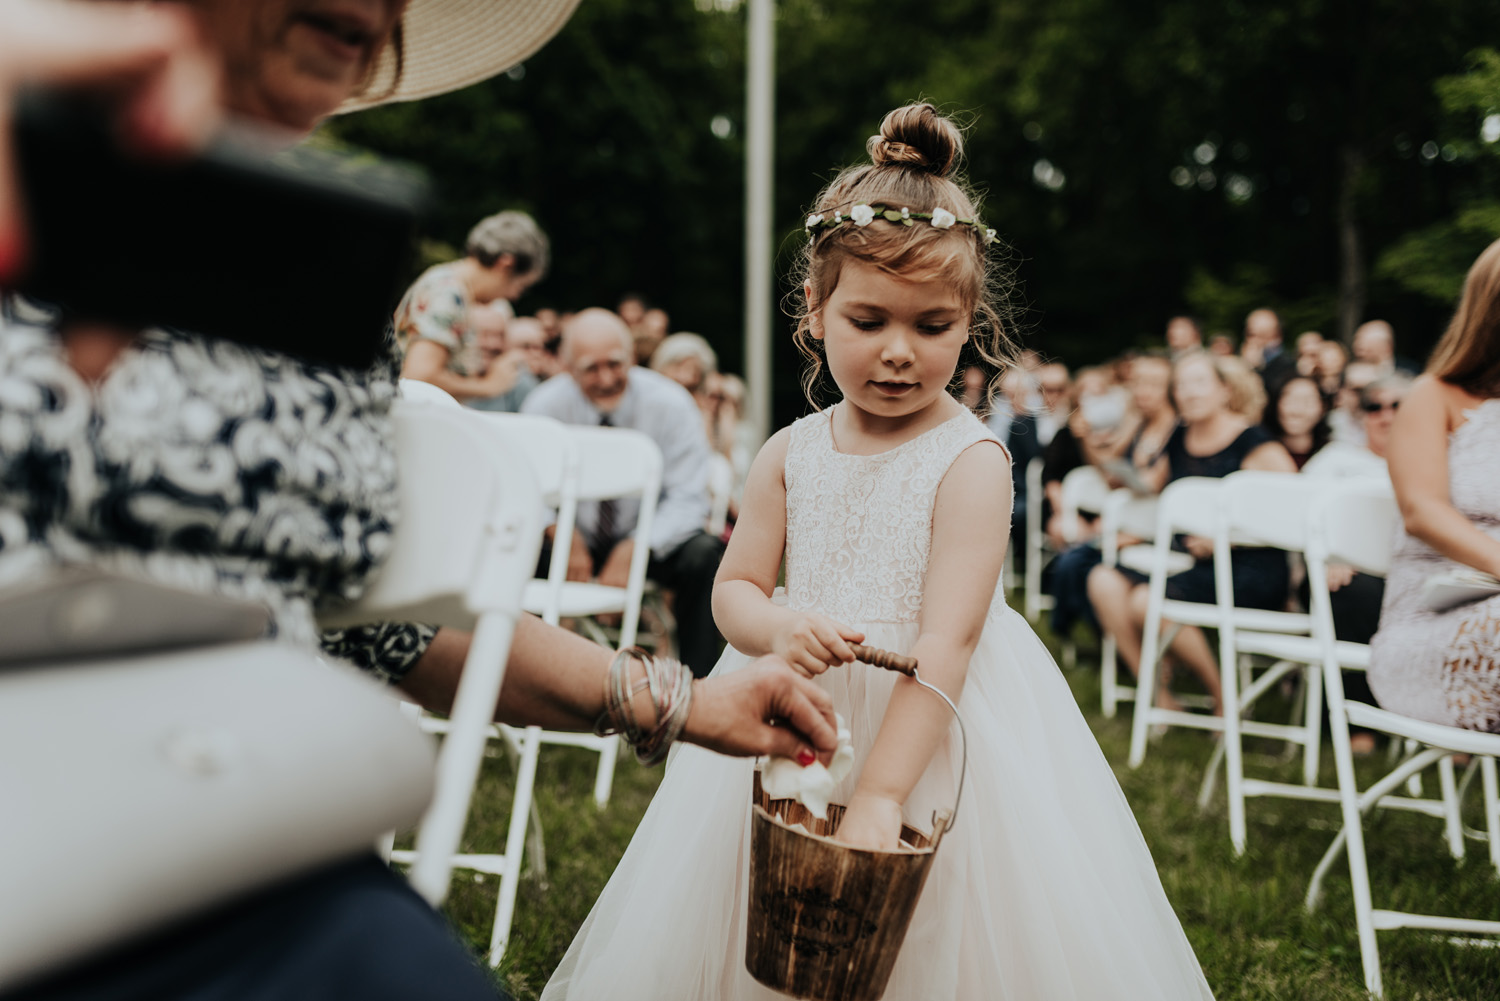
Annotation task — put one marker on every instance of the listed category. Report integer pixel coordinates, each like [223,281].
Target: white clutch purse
[139,789]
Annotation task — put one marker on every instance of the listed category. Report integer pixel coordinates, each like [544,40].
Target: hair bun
[917,136]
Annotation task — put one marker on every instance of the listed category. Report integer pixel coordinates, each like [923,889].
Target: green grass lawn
[1244,915]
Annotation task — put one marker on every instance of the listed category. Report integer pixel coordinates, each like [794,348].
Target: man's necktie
[604,526]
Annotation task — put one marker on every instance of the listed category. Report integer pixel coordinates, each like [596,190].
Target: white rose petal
[943,219]
[862,215]
[813,220]
[989,236]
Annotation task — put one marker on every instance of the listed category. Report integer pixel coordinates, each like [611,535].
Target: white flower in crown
[906,213]
[813,220]
[989,237]
[838,217]
[943,219]
[862,215]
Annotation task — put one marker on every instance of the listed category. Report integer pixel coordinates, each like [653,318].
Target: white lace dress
[1043,891]
[1444,667]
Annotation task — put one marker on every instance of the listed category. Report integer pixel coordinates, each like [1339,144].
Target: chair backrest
[416,391]
[1356,523]
[1189,505]
[1083,489]
[470,514]
[547,445]
[1269,509]
[1128,513]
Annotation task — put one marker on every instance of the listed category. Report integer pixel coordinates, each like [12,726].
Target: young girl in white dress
[892,511]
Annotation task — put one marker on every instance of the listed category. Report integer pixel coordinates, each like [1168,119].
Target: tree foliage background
[1336,159]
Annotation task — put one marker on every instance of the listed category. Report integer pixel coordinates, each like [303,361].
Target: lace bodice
[859,527]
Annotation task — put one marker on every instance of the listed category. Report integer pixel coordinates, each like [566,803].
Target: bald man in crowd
[601,385]
[1375,344]
[1263,350]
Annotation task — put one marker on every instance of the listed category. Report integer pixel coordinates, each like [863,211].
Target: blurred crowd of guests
[1195,407]
[459,330]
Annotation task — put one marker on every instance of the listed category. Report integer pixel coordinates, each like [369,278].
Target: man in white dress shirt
[601,384]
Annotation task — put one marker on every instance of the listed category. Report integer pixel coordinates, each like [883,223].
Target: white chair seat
[1202,613]
[1433,734]
[1138,558]
[1302,649]
[575,598]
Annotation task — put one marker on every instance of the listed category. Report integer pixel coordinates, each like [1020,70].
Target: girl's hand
[870,822]
[813,643]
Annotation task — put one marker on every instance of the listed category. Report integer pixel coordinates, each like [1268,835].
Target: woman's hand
[813,643]
[500,377]
[1339,575]
[764,708]
[870,822]
[1198,547]
[150,55]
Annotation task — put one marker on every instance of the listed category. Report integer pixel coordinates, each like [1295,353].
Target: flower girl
[891,510]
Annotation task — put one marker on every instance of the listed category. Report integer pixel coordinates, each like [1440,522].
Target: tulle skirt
[1044,889]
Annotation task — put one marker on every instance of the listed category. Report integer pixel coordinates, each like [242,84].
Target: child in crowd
[891,511]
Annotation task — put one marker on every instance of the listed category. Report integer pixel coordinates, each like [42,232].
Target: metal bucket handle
[902,664]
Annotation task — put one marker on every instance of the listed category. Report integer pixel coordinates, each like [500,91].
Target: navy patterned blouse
[207,465]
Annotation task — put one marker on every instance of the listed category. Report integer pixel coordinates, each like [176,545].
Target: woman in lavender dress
[1444,667]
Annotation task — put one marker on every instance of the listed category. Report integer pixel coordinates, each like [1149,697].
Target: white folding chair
[1191,506]
[1126,513]
[416,391]
[466,545]
[1355,525]
[1083,490]
[1034,602]
[720,488]
[611,463]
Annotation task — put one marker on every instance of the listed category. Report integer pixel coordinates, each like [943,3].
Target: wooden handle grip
[884,658]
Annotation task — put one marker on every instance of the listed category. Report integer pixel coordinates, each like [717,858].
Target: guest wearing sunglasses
[1355,597]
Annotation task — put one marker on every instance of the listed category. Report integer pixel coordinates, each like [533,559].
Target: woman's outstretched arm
[556,679]
[968,551]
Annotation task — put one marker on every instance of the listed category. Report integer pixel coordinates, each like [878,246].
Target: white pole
[760,100]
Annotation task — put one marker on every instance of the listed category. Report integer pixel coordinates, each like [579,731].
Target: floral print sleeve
[205,465]
[436,309]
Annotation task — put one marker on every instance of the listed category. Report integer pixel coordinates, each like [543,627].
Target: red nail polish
[11,253]
[806,757]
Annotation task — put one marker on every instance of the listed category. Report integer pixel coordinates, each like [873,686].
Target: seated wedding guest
[976,390]
[1263,350]
[1213,440]
[686,359]
[1344,419]
[110,432]
[649,333]
[1050,405]
[1375,344]
[1184,335]
[1444,666]
[1332,358]
[496,328]
[602,387]
[1145,435]
[1247,391]
[1221,344]
[1309,350]
[1094,434]
[1355,598]
[729,433]
[504,255]
[632,309]
[1297,418]
[526,336]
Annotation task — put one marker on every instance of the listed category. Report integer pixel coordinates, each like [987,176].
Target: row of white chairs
[462,470]
[1353,524]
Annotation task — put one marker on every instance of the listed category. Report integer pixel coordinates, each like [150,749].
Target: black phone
[304,252]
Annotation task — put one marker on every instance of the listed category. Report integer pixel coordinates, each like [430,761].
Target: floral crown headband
[863,215]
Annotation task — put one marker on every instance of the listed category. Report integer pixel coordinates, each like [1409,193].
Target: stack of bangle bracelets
[671,687]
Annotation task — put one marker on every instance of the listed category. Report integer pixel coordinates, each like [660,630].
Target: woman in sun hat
[89,475]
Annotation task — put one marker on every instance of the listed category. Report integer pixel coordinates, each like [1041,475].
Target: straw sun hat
[453,43]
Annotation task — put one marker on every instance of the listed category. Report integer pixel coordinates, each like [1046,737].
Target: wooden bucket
[826,921]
